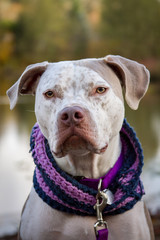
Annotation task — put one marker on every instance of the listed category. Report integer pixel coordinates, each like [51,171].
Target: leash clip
[102,201]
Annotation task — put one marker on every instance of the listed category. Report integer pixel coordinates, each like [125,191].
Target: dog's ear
[27,82]
[134,78]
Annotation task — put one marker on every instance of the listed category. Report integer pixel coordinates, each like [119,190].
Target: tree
[50,30]
[131,28]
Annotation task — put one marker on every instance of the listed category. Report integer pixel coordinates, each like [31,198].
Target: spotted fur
[88,148]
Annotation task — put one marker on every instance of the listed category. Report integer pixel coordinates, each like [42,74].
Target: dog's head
[79,104]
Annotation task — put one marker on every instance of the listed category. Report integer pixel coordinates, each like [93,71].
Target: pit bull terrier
[78,138]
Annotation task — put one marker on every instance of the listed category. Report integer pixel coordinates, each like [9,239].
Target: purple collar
[108,178]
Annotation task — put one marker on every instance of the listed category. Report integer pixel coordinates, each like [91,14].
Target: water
[16,164]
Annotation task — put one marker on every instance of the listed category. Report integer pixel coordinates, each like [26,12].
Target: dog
[79,108]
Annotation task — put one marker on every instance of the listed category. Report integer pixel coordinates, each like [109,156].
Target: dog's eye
[49,94]
[101,90]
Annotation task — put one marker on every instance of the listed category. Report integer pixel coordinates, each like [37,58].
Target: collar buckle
[102,201]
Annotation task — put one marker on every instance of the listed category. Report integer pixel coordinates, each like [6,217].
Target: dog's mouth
[76,142]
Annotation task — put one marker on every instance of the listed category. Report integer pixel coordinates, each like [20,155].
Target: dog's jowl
[88,160]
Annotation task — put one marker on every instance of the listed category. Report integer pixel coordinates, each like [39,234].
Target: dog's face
[79,104]
[77,110]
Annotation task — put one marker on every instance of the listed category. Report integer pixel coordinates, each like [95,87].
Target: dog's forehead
[70,74]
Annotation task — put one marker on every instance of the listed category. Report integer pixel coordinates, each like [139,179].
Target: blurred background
[36,30]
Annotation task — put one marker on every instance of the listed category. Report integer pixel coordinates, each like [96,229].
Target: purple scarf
[63,192]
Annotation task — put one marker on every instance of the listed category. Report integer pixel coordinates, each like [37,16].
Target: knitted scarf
[63,192]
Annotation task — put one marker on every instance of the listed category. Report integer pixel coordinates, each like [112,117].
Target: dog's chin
[76,145]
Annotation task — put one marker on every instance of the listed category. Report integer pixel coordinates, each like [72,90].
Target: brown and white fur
[80,110]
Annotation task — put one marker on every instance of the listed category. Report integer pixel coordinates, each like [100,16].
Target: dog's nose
[72,115]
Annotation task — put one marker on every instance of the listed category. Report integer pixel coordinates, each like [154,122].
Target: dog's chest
[47,223]
[43,222]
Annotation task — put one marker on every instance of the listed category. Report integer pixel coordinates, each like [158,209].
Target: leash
[102,234]
[103,198]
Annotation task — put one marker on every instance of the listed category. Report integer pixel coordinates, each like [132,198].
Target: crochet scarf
[63,192]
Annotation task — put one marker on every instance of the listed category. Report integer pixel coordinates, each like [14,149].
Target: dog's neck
[65,193]
[92,165]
